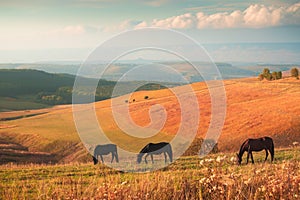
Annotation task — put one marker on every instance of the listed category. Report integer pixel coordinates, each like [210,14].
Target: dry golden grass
[214,177]
[254,109]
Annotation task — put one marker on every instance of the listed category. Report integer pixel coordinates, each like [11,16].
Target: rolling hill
[26,89]
[254,108]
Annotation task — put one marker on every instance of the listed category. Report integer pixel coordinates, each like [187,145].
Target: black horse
[105,150]
[259,144]
[155,148]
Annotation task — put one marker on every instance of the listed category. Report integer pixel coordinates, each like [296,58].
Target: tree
[295,72]
[274,75]
[266,71]
[279,75]
[267,75]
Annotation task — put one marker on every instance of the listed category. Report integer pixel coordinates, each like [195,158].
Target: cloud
[181,22]
[125,25]
[255,16]
[73,30]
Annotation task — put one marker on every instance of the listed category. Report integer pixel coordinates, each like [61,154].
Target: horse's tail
[170,152]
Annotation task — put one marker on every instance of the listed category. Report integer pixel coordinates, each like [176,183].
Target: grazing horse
[105,150]
[155,148]
[259,144]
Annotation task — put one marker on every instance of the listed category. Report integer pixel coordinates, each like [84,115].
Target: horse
[259,144]
[105,150]
[155,149]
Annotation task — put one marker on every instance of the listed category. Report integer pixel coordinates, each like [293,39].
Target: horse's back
[268,139]
[105,148]
[158,147]
[260,143]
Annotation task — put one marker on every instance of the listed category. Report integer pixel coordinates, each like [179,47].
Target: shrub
[279,75]
[268,76]
[274,75]
[266,71]
[295,72]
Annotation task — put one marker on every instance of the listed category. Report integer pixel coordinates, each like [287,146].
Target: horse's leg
[267,154]
[271,149]
[252,157]
[247,157]
[152,158]
[165,157]
[272,155]
[146,158]
[117,157]
[102,158]
[112,156]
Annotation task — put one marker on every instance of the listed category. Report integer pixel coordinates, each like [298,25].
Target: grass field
[213,177]
[254,109]
[19,103]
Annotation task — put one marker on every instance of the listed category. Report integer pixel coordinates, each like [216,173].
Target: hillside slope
[254,109]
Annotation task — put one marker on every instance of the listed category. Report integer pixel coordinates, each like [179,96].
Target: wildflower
[247,181]
[202,180]
[295,143]
[124,183]
[233,159]
[209,160]
[220,158]
[201,162]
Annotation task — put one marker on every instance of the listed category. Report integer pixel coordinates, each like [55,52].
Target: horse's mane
[145,148]
[242,146]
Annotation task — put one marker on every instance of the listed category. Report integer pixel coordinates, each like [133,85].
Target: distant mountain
[116,70]
[50,68]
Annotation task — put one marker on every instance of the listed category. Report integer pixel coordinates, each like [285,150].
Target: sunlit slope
[254,109]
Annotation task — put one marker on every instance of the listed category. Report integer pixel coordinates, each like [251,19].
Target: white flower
[233,159]
[295,143]
[124,183]
[201,162]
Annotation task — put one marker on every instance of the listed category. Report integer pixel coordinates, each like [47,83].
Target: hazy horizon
[269,53]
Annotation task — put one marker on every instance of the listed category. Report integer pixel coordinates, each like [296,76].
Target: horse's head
[239,159]
[139,158]
[95,160]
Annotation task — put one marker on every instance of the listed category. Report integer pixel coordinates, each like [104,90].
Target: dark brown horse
[155,149]
[259,144]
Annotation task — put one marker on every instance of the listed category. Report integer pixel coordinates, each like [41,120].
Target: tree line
[266,74]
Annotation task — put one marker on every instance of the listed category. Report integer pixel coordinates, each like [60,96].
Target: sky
[42,30]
